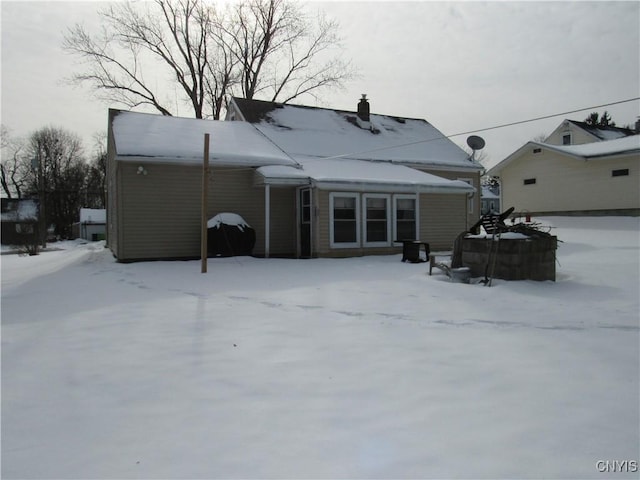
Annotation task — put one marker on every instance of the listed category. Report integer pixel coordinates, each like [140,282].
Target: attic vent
[537,150]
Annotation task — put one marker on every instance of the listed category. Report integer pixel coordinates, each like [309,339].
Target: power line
[486,129]
[543,118]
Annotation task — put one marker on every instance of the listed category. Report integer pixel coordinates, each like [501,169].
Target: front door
[304,221]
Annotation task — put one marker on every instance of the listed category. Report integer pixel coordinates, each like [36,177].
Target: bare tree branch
[266,48]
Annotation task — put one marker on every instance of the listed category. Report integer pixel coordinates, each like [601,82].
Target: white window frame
[355,244]
[365,197]
[395,213]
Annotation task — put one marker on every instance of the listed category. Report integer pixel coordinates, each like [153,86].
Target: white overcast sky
[462,66]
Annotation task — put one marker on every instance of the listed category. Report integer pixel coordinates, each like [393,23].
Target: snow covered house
[311,182]
[578,170]
[19,221]
[571,132]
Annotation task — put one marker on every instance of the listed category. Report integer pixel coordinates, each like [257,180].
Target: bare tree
[13,165]
[280,50]
[267,48]
[540,138]
[59,175]
[134,39]
[95,181]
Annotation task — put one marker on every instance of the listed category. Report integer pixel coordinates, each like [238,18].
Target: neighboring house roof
[327,133]
[93,215]
[488,194]
[604,132]
[19,210]
[360,175]
[141,136]
[588,151]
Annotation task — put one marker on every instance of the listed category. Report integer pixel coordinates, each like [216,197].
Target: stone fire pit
[516,256]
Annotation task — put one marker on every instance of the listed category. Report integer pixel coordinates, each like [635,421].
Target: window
[623,172]
[537,150]
[371,219]
[344,220]
[566,139]
[24,228]
[376,220]
[405,210]
[529,181]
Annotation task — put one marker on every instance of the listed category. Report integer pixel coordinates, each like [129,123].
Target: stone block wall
[532,258]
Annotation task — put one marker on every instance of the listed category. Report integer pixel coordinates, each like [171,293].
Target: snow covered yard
[354,368]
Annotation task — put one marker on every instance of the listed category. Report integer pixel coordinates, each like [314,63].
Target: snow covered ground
[353,368]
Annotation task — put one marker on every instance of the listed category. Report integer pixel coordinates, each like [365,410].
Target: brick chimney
[363,108]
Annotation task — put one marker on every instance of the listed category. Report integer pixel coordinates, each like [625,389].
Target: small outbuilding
[92,225]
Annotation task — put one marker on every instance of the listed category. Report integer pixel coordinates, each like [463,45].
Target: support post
[205,191]
[267,218]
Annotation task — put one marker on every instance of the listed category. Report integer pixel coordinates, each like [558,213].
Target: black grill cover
[230,239]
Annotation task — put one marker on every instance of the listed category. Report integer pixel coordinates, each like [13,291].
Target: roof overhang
[359,175]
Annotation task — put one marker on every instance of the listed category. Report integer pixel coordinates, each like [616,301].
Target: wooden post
[205,188]
[267,218]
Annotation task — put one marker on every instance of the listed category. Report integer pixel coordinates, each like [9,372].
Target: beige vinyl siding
[442,219]
[569,184]
[474,213]
[161,218]
[112,194]
[282,241]
[578,136]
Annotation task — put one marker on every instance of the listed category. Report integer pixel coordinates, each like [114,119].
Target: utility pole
[42,221]
[204,219]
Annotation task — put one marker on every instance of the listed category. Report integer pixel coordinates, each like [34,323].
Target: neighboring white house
[579,170]
[571,132]
[92,224]
[490,201]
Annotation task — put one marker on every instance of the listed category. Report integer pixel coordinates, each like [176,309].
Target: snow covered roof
[327,133]
[93,215]
[487,193]
[588,151]
[141,136]
[360,175]
[628,144]
[604,132]
[19,210]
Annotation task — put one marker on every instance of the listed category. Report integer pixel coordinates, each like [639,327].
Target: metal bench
[433,256]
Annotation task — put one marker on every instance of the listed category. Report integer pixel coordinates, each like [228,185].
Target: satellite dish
[475,142]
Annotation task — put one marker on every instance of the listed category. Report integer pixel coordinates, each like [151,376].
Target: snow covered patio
[354,368]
